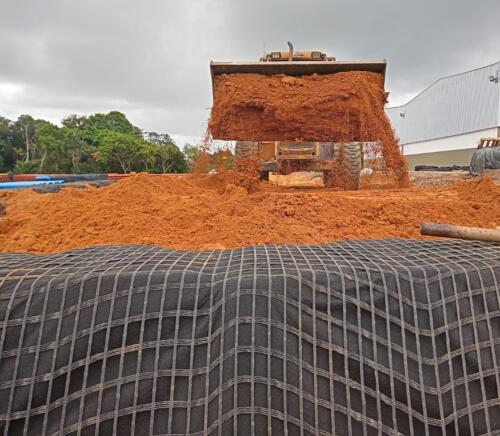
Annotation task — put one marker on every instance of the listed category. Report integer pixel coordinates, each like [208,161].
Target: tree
[99,142]
[162,155]
[23,132]
[164,158]
[74,122]
[120,150]
[7,152]
[51,141]
[191,152]
[158,138]
[169,159]
[23,167]
[114,121]
[80,151]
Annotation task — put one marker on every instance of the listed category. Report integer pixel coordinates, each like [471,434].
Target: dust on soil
[206,212]
[339,107]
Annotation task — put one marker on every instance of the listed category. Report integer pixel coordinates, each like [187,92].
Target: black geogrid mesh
[393,336]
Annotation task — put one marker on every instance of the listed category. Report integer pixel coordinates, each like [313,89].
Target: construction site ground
[199,212]
[442,178]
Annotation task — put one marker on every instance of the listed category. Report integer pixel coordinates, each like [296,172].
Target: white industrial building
[443,124]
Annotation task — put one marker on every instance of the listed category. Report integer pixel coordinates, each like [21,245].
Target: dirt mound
[201,212]
[338,107]
[482,191]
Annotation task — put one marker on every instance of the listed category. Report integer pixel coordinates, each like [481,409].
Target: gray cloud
[150,59]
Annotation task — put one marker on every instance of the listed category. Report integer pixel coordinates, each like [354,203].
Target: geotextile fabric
[360,337]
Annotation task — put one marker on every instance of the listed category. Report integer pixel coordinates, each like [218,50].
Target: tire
[328,178]
[352,164]
[264,175]
[245,150]
[345,173]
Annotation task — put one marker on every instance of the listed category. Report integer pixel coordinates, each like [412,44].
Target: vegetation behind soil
[89,144]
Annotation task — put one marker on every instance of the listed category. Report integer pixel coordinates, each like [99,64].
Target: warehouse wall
[454,150]
[456,142]
[441,158]
[454,105]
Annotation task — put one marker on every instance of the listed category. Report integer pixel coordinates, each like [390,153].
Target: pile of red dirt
[341,107]
[210,212]
[483,191]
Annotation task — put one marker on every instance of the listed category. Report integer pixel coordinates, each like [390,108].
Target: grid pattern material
[361,337]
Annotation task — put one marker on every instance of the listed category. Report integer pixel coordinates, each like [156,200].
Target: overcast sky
[150,59]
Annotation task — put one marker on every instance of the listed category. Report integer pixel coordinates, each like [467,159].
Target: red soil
[338,107]
[209,212]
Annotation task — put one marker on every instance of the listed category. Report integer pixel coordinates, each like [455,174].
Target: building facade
[443,124]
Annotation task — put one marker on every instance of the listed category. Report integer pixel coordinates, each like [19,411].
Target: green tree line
[88,144]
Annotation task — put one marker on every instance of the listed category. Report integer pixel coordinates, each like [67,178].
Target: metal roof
[452,105]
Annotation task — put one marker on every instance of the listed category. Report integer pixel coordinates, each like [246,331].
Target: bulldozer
[285,157]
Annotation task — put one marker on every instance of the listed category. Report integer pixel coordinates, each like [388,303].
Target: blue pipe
[29,184]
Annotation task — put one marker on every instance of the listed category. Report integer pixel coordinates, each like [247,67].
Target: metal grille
[369,337]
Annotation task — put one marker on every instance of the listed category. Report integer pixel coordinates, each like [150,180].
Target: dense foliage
[93,144]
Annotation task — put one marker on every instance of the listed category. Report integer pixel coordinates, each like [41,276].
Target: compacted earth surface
[197,212]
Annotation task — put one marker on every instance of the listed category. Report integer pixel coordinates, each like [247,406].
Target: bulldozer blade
[299,68]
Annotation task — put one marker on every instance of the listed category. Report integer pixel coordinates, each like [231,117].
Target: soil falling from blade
[340,107]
